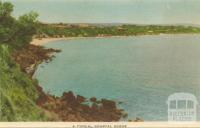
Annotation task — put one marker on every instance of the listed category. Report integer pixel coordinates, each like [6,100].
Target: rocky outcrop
[30,56]
[69,107]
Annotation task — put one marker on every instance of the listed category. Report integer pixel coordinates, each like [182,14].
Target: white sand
[44,41]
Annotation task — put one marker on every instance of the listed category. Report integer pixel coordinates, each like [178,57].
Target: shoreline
[44,41]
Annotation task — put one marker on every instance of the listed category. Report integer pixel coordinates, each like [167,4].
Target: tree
[27,27]
[6,21]
[6,9]
[16,32]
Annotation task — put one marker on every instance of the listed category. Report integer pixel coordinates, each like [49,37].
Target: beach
[43,41]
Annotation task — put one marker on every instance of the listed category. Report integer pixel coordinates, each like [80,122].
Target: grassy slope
[18,93]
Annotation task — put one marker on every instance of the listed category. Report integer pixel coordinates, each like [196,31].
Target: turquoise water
[139,71]
[112,11]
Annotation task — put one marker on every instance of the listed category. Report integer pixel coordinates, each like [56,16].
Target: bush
[16,32]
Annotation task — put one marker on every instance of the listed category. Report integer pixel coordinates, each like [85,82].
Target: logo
[182,107]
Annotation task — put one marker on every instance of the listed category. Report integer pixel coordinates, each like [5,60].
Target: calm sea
[141,72]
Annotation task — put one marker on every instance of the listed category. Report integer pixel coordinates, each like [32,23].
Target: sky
[112,11]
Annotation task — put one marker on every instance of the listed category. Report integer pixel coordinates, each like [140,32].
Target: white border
[95,124]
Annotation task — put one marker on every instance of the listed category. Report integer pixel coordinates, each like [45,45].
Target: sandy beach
[43,41]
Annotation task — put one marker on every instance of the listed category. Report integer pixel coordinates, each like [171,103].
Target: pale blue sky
[113,11]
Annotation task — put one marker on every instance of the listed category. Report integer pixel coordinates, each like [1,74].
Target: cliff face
[30,56]
[22,99]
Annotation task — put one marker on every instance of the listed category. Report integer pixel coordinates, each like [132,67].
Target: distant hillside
[101,30]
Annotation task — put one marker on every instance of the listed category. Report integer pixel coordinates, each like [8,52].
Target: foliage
[5,9]
[67,30]
[16,32]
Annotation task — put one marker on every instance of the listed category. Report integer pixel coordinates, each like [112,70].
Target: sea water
[141,72]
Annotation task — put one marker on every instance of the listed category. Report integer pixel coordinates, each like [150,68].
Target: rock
[80,99]
[138,120]
[85,108]
[69,97]
[125,115]
[43,98]
[108,104]
[94,106]
[30,69]
[93,99]
[120,102]
[71,117]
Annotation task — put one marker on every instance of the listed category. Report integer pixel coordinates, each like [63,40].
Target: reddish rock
[108,104]
[138,120]
[30,56]
[94,106]
[93,99]
[69,97]
[80,99]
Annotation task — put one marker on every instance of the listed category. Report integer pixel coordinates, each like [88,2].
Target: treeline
[85,30]
[16,32]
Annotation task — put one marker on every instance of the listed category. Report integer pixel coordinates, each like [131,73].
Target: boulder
[93,99]
[80,99]
[138,120]
[108,104]
[68,97]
